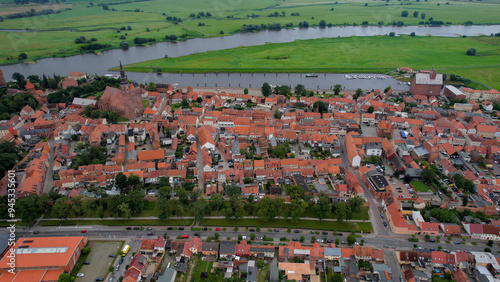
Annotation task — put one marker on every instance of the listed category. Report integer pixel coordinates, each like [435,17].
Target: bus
[125,250]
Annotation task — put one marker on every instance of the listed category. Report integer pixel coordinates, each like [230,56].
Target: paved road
[375,241]
[377,222]
[49,179]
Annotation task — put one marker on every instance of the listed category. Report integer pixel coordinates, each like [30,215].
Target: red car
[84,231]
[217,229]
[185,236]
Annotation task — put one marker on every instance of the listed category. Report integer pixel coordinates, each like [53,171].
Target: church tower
[124,86]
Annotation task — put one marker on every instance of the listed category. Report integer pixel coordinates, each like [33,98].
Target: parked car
[86,262]
[112,256]
[36,232]
[121,261]
[151,233]
[339,234]
[185,236]
[295,239]
[136,228]
[204,229]
[128,228]
[84,231]
[149,228]
[80,275]
[99,279]
[180,228]
[457,242]
[385,224]
[251,229]
[296,231]
[197,234]
[170,228]
[217,229]
[276,230]
[432,240]
[324,233]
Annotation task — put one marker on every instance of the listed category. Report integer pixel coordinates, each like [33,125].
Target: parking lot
[99,260]
[396,183]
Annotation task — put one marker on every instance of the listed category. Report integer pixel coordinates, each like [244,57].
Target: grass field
[353,54]
[120,222]
[226,16]
[419,186]
[302,224]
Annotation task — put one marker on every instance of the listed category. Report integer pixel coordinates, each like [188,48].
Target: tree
[370,109]
[85,251]
[184,104]
[195,195]
[427,237]
[337,88]
[298,208]
[404,14]
[358,93]
[232,189]
[415,14]
[356,203]
[183,195]
[65,277]
[392,33]
[19,78]
[337,277]
[199,209]
[277,114]
[471,52]
[245,91]
[124,210]
[320,107]
[217,201]
[412,34]
[322,23]
[267,209]
[428,175]
[295,192]
[60,209]
[300,90]
[165,192]
[121,180]
[341,211]
[76,205]
[124,45]
[323,207]
[351,239]
[134,180]
[266,89]
[22,56]
[247,180]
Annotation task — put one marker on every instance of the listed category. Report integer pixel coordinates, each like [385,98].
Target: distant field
[226,16]
[353,54]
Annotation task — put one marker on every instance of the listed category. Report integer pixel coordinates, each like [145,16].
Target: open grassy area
[420,186]
[148,19]
[353,54]
[145,103]
[120,222]
[301,224]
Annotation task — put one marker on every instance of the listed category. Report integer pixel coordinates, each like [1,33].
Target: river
[98,64]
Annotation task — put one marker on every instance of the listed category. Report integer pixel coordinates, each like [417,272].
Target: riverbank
[375,54]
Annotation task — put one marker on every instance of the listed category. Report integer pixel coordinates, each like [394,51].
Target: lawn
[149,20]
[352,54]
[301,224]
[419,186]
[145,103]
[120,222]
[201,266]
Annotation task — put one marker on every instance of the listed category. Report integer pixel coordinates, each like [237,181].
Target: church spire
[123,76]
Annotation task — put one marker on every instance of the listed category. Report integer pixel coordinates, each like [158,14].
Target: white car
[80,275]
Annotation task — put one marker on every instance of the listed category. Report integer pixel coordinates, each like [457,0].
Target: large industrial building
[41,259]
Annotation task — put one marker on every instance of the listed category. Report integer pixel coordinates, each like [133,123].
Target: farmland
[147,19]
[354,54]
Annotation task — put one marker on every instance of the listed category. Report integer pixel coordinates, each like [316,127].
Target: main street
[374,241]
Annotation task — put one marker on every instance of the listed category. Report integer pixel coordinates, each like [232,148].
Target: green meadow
[353,54]
[149,20]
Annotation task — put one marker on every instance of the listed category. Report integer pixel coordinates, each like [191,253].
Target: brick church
[126,101]
[426,83]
